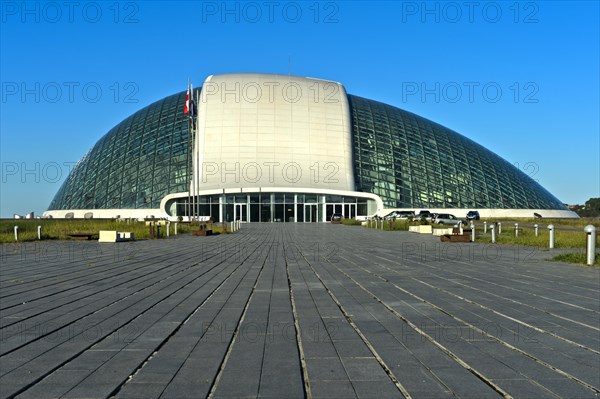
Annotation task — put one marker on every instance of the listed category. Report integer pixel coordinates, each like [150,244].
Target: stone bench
[455,238]
[202,231]
[81,236]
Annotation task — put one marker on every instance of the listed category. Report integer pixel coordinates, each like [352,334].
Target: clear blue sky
[522,78]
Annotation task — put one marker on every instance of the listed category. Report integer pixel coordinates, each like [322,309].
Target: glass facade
[411,162]
[135,164]
[272,207]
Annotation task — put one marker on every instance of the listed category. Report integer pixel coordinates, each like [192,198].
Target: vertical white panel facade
[260,130]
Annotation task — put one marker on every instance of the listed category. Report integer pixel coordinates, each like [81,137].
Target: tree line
[591,208]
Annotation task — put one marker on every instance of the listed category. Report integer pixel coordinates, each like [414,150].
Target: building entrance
[349,211]
[268,207]
[241,212]
[311,213]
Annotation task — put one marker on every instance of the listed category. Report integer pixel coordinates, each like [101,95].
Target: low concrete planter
[441,232]
[115,236]
[424,229]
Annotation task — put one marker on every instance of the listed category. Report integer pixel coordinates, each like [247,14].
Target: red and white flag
[186,107]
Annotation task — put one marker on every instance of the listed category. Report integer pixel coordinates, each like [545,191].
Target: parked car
[399,215]
[446,218]
[473,215]
[336,218]
[423,215]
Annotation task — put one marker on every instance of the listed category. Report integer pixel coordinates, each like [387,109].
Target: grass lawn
[577,257]
[58,229]
[562,238]
[568,233]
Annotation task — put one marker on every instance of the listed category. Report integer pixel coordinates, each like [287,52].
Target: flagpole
[187,166]
[194,182]
[193,186]
[195,133]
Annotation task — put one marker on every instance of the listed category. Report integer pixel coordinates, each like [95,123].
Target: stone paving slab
[296,310]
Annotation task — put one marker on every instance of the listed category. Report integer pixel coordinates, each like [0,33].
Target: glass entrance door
[241,212]
[350,211]
[311,213]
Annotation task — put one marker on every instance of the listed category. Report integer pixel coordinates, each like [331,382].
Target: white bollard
[484,227]
[499,228]
[551,243]
[16,233]
[590,231]
[535,226]
[175,228]
[39,232]
[231,226]
[168,229]
[516,229]
[493,229]
[472,232]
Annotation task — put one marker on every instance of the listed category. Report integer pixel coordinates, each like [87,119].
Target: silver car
[446,218]
[399,215]
[428,216]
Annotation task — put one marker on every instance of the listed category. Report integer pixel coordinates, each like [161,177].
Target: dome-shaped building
[283,148]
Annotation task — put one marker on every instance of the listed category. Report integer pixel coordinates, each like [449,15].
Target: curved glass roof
[412,162]
[409,161]
[135,164]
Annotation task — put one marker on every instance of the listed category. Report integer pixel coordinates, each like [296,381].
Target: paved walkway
[273,311]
